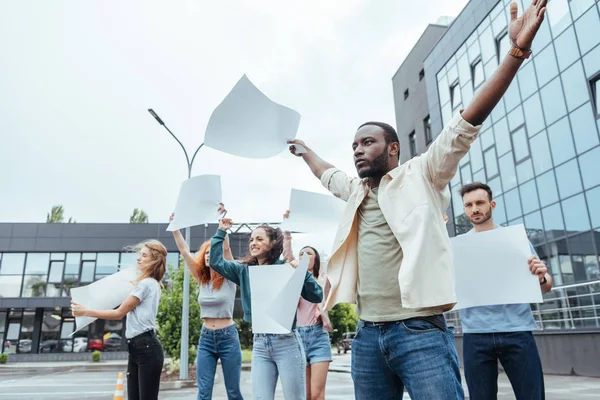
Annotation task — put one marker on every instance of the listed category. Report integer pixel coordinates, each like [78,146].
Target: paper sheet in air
[104,294]
[491,268]
[248,124]
[313,213]
[275,292]
[197,203]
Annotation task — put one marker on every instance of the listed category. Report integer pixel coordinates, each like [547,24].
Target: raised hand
[225,224]
[293,148]
[522,30]
[286,215]
[171,217]
[78,310]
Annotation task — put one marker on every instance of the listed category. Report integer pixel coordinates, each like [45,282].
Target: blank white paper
[313,213]
[491,268]
[197,203]
[249,124]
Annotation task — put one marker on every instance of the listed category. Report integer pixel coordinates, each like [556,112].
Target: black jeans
[146,359]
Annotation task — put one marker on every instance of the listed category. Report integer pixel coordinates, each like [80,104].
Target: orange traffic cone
[119,392]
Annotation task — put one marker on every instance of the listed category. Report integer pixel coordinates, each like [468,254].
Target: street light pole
[185,310]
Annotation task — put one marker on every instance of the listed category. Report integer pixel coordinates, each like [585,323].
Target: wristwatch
[544,281]
[519,53]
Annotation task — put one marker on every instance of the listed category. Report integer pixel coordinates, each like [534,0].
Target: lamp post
[185,311]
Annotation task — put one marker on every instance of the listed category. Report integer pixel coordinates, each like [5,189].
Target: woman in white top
[146,356]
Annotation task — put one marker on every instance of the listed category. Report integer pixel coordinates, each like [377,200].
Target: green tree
[57,216]
[139,216]
[169,313]
[343,319]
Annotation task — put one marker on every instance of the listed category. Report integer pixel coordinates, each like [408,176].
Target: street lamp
[185,311]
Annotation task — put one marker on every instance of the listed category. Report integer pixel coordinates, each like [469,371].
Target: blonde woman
[146,356]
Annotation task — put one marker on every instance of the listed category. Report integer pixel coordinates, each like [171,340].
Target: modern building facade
[39,263]
[539,150]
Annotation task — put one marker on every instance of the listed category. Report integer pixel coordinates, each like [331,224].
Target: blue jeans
[223,344]
[418,354]
[278,355]
[317,346]
[518,353]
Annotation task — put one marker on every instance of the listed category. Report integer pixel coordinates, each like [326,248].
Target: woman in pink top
[313,323]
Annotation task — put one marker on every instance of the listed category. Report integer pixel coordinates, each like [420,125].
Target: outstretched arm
[229,269]
[288,254]
[183,248]
[317,164]
[521,31]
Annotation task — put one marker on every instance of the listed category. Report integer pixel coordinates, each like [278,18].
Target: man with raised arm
[392,254]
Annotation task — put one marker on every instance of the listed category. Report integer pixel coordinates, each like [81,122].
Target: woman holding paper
[219,337]
[146,356]
[313,323]
[273,355]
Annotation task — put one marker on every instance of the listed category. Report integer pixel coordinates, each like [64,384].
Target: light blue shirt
[143,317]
[498,318]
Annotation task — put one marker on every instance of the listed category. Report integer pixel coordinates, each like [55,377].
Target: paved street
[77,383]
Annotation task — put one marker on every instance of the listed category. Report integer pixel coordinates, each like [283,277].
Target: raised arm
[288,254]
[521,31]
[227,253]
[231,270]
[183,248]
[317,164]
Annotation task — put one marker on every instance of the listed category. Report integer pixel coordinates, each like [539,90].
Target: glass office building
[540,149]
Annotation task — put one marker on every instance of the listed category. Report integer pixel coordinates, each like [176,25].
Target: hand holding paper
[197,202]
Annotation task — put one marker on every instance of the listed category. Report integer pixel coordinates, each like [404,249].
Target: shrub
[3,358]
[96,356]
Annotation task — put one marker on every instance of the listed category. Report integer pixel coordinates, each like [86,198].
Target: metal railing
[568,307]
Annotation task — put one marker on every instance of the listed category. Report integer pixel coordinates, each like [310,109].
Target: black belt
[150,333]
[437,320]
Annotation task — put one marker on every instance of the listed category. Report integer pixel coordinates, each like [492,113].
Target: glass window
[467,93]
[567,176]
[128,260]
[525,171]
[412,144]
[12,263]
[443,89]
[499,211]
[479,176]
[561,141]
[513,204]
[527,80]
[34,286]
[88,256]
[473,50]
[584,128]
[591,62]
[529,197]
[53,289]
[464,73]
[499,24]
[37,263]
[552,101]
[452,71]
[534,228]
[575,212]
[520,144]
[490,67]
[516,118]
[540,152]
[446,113]
[559,16]
[465,173]
[502,136]
[455,96]
[545,65]
[107,263]
[491,166]
[575,86]
[496,186]
[543,37]
[406,94]
[57,257]
[478,77]
[67,328]
[421,74]
[589,168]
[487,138]
[26,336]
[593,199]
[553,219]
[427,128]
[566,46]
[56,271]
[49,339]
[72,265]
[476,156]
[535,117]
[87,271]
[578,7]
[488,46]
[595,84]
[507,171]
[503,46]
[173,259]
[589,22]
[10,285]
[498,112]
[547,188]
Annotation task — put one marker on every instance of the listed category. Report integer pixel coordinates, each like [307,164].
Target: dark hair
[317,266]
[471,187]
[389,132]
[275,235]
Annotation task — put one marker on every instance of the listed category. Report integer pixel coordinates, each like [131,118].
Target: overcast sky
[77,78]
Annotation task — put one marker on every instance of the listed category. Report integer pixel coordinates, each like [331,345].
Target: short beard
[377,168]
[486,218]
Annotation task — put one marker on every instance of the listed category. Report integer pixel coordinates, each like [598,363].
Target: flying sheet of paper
[275,292]
[104,294]
[491,268]
[249,124]
[313,213]
[197,203]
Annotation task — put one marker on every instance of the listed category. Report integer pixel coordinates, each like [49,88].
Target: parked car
[95,344]
[112,342]
[25,346]
[80,344]
[66,346]
[50,346]
[345,343]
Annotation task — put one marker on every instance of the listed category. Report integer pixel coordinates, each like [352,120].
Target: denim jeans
[278,355]
[417,353]
[317,346]
[146,359]
[518,354]
[223,344]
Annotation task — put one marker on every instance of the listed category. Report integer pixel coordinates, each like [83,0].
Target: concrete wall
[411,112]
[564,353]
